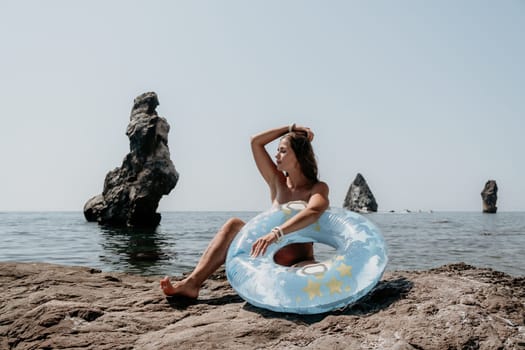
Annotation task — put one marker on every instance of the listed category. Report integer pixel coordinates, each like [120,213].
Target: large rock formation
[489,196]
[132,192]
[453,307]
[359,197]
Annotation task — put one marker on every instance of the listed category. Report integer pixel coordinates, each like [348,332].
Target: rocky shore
[456,306]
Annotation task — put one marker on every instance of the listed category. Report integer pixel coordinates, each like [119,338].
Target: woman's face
[285,157]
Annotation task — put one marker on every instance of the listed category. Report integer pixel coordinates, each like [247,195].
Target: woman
[293,177]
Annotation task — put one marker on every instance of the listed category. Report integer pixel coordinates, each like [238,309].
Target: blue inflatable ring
[356,267]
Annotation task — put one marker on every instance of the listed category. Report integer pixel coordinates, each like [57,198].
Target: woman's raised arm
[263,160]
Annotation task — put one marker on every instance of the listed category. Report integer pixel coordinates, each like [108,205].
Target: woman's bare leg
[212,258]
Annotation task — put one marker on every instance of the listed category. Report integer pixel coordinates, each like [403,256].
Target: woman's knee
[233,225]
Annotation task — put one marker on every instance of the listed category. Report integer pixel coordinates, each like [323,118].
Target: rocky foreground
[458,306]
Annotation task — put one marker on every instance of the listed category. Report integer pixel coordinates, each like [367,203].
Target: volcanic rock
[359,197]
[489,195]
[456,306]
[132,192]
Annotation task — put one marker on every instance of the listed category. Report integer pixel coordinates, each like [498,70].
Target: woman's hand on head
[305,130]
[260,245]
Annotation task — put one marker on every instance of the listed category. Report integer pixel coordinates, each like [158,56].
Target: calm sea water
[415,240]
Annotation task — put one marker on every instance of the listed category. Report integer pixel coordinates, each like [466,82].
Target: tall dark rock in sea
[489,196]
[359,197]
[132,192]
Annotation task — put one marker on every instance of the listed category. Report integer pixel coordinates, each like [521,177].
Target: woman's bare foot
[182,288]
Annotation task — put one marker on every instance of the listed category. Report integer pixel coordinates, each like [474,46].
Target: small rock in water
[489,196]
[359,197]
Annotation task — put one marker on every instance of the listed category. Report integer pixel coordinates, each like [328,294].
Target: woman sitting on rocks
[292,177]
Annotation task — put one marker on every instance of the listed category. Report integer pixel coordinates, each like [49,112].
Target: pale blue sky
[425,99]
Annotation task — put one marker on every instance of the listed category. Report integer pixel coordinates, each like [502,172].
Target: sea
[415,240]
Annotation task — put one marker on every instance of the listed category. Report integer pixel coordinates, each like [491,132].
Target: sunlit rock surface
[452,307]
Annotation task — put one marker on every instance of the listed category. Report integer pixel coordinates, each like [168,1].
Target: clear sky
[425,98]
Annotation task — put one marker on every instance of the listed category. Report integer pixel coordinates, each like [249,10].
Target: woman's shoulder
[320,186]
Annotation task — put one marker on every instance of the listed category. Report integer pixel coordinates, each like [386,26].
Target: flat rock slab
[457,306]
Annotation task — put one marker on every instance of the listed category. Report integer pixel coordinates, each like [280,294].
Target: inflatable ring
[357,265]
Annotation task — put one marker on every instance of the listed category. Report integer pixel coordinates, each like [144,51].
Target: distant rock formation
[132,192]
[359,197]
[490,196]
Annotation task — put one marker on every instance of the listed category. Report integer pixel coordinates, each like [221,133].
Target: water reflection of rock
[134,250]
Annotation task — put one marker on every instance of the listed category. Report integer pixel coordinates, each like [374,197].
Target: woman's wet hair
[304,153]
